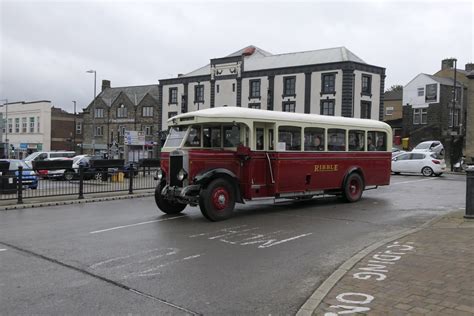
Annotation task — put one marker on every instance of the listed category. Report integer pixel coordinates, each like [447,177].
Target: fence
[57,178]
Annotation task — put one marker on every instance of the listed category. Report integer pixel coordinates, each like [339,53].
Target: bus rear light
[436,162]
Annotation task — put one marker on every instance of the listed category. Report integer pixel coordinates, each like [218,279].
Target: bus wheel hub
[220,198]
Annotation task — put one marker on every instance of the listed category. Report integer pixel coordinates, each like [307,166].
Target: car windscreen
[423,146]
[32,156]
[176,136]
[14,164]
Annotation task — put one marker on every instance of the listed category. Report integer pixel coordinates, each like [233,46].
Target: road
[123,257]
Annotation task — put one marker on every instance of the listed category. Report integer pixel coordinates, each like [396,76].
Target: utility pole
[74,129]
[6,127]
[452,118]
[93,112]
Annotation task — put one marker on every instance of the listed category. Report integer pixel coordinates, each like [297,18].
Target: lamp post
[93,112]
[6,126]
[74,130]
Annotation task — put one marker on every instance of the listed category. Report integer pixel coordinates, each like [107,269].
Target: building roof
[261,59]
[134,93]
[240,113]
[445,81]
[393,95]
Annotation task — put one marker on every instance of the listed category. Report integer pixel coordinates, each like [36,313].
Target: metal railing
[54,181]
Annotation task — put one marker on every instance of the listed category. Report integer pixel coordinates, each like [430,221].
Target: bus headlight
[159,174]
[182,174]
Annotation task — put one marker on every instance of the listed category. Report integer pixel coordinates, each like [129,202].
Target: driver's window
[212,137]
[231,136]
[42,157]
[194,137]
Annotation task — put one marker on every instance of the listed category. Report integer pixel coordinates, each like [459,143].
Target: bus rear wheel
[217,200]
[353,188]
[165,205]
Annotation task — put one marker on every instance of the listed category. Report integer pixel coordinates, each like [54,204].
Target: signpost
[134,138]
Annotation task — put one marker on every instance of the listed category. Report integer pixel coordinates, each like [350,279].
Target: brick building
[66,130]
[393,113]
[117,110]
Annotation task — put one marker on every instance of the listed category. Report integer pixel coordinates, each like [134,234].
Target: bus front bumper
[188,194]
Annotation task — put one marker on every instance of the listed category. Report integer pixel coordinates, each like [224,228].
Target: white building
[330,81]
[27,127]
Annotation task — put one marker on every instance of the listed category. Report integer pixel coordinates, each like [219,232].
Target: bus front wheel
[217,200]
[353,188]
[165,205]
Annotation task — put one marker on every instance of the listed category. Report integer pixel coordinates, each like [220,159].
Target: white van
[46,155]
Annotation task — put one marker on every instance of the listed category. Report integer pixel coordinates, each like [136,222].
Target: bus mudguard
[351,170]
[205,177]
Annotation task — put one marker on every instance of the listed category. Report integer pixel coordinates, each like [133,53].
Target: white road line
[2,249]
[412,181]
[131,225]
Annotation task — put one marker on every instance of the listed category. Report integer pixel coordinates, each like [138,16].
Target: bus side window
[356,140]
[381,144]
[216,139]
[371,141]
[259,135]
[231,136]
[291,136]
[313,139]
[206,135]
[194,137]
[336,139]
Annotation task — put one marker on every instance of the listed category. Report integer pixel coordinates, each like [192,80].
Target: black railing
[57,179]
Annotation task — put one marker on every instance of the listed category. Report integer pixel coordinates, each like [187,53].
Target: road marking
[136,224]
[170,251]
[403,182]
[2,249]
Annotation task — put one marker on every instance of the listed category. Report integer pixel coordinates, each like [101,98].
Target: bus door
[262,181]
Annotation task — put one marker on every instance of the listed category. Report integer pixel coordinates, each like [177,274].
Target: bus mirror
[243,152]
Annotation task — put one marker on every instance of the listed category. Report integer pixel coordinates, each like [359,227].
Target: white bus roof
[239,113]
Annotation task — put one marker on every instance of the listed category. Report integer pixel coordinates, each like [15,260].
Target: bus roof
[240,113]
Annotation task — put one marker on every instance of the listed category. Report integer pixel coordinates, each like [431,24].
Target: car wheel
[165,205]
[427,171]
[217,200]
[69,175]
[353,187]
[98,176]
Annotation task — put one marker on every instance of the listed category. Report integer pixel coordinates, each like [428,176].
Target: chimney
[180,75]
[447,63]
[105,84]
[469,67]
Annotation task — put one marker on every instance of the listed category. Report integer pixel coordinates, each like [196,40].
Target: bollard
[469,192]
[20,185]
[81,182]
[130,177]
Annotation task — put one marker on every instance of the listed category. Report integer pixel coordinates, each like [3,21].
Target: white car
[426,163]
[434,146]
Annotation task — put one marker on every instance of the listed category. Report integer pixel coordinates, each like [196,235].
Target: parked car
[44,155]
[426,163]
[60,174]
[396,151]
[430,146]
[29,177]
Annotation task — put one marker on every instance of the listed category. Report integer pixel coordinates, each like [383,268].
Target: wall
[374,98]
[225,96]
[410,91]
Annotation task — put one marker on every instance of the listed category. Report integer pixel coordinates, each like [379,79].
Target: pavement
[425,271]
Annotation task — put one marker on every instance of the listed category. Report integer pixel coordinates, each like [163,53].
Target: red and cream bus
[217,157]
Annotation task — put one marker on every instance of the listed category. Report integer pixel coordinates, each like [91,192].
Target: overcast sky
[47,46]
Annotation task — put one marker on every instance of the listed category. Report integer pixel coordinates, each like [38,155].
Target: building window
[365,109]
[24,125]
[288,106]
[171,114]
[147,111]
[173,96]
[198,93]
[10,125]
[233,87]
[327,107]
[32,124]
[38,124]
[366,84]
[456,117]
[98,113]
[99,131]
[420,116]
[328,83]
[148,130]
[217,88]
[254,105]
[121,131]
[289,84]
[78,128]
[421,92]
[389,110]
[17,125]
[254,88]
[122,111]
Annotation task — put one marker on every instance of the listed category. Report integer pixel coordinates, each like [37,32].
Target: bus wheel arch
[353,185]
[205,178]
[217,199]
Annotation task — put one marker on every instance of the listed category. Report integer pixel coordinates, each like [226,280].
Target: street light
[451,158]
[6,126]
[93,113]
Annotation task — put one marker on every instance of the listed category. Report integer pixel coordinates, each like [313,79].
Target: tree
[396,87]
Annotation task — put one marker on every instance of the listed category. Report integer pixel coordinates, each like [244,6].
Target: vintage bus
[217,157]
